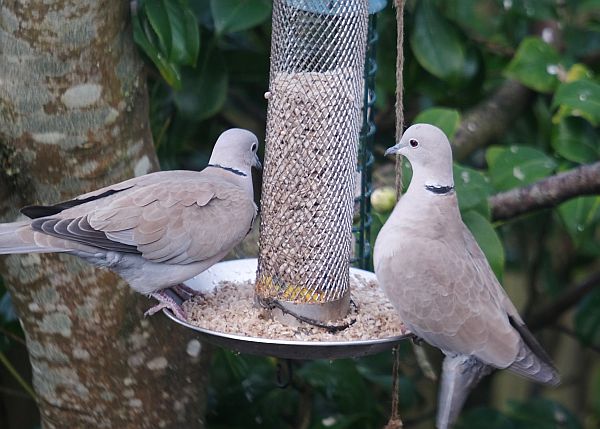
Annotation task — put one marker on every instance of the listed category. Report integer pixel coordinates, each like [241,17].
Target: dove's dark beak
[392,150]
[257,163]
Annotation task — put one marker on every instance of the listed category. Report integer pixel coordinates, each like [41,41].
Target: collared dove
[439,281]
[156,230]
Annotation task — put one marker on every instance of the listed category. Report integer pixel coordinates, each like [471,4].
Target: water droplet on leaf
[518,173]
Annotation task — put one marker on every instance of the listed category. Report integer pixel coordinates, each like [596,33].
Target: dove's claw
[417,341]
[185,292]
[165,301]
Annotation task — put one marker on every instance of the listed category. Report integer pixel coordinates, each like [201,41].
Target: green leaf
[488,240]
[184,31]
[535,65]
[338,380]
[587,319]
[578,71]
[536,9]
[484,418]
[576,140]
[483,17]
[580,98]
[167,32]
[585,6]
[205,88]
[541,413]
[518,166]
[473,189]
[492,154]
[235,364]
[177,22]
[436,43]
[406,174]
[579,215]
[170,72]
[192,37]
[237,15]
[446,119]
[156,11]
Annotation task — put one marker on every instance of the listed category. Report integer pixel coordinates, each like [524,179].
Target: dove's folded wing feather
[481,263]
[82,204]
[521,365]
[454,308]
[178,222]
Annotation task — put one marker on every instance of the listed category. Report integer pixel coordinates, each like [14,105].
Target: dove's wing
[171,221]
[82,204]
[447,297]
[532,360]
[481,264]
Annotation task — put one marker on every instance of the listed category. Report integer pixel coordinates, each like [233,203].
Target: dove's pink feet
[165,301]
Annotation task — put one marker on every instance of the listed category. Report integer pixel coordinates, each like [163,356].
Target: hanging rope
[395,421]
[399,89]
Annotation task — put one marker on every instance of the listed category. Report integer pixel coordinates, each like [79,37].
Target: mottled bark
[73,117]
[548,192]
[490,118]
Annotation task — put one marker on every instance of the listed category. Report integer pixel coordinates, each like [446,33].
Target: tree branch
[549,192]
[490,118]
[569,298]
[573,334]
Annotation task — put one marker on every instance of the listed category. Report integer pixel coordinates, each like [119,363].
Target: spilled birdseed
[231,309]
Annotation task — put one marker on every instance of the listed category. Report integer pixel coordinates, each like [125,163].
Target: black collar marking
[231,170]
[440,190]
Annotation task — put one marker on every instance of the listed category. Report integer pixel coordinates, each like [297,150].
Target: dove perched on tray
[438,279]
[156,230]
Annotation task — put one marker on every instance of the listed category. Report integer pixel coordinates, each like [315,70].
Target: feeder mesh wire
[314,119]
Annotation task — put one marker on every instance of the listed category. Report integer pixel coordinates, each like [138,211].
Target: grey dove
[156,230]
[439,281]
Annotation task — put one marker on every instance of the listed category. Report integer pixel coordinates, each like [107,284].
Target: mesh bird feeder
[320,118]
[316,95]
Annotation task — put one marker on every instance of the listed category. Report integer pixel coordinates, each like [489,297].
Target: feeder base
[244,270]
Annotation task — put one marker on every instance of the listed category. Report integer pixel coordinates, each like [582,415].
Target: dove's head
[429,152]
[236,148]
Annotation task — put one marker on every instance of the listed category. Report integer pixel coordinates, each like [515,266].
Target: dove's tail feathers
[460,374]
[532,361]
[17,237]
[12,242]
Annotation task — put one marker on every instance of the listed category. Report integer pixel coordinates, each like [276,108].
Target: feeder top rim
[324,8]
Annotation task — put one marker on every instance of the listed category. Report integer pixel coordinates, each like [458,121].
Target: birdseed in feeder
[306,222]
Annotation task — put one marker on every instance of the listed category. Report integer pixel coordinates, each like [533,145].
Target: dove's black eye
[413,143]
[254,147]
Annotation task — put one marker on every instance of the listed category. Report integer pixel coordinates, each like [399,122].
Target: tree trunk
[74,117]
